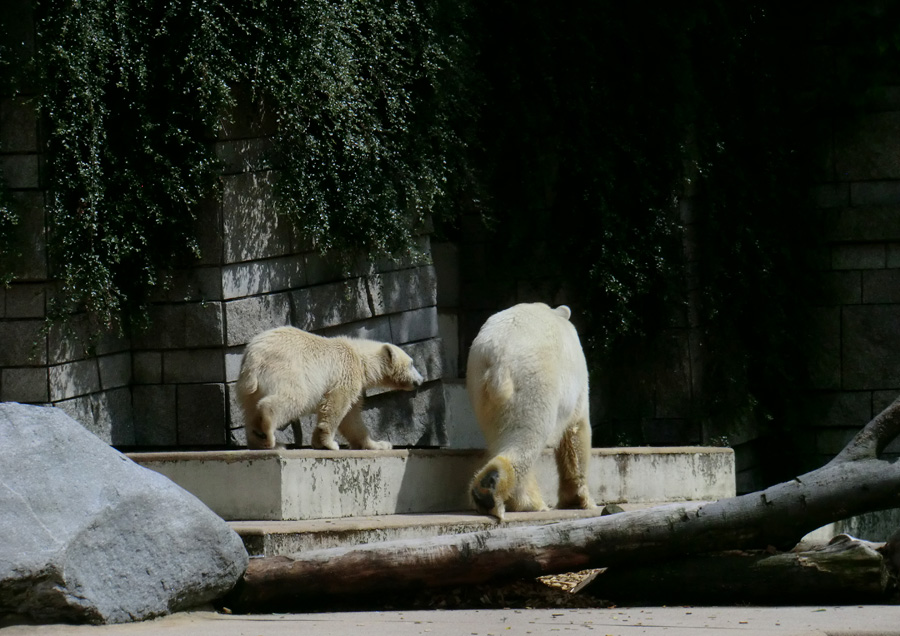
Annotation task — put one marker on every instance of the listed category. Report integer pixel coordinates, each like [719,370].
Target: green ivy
[133,91]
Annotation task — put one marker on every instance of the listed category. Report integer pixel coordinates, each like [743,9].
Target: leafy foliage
[133,91]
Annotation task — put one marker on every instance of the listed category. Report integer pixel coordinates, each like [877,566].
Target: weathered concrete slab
[275,538]
[312,484]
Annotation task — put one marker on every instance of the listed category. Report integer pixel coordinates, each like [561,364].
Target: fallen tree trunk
[847,570]
[854,482]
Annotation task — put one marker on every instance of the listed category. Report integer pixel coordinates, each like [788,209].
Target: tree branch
[874,437]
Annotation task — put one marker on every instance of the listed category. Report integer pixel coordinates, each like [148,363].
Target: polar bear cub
[286,373]
[527,380]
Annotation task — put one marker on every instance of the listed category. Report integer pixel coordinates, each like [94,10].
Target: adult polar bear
[527,380]
[287,372]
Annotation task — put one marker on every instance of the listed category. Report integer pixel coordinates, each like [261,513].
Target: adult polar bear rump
[287,373]
[527,380]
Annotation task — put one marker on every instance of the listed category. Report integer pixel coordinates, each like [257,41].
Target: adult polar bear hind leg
[287,373]
[527,380]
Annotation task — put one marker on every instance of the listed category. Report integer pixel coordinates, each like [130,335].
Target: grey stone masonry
[173,384]
[855,371]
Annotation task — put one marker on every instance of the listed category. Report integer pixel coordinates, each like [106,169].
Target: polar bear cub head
[397,370]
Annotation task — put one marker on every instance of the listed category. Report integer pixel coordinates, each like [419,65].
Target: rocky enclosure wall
[173,385]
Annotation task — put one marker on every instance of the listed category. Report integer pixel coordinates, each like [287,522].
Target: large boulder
[90,536]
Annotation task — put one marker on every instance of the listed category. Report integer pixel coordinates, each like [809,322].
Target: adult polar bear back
[287,373]
[528,383]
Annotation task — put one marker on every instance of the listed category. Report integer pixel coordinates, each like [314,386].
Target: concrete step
[277,538]
[305,484]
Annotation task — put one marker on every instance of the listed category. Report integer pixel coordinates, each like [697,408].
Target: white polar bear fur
[527,380]
[287,373]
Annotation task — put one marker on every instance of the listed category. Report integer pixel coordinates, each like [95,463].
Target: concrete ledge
[277,538]
[310,484]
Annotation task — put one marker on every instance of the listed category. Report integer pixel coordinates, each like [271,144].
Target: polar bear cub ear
[564,311]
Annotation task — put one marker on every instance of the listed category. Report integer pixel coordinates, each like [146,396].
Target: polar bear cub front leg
[528,383]
[287,373]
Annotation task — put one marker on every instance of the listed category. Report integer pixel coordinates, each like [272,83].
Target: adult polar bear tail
[528,383]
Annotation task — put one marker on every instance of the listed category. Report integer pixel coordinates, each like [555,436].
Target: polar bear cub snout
[287,373]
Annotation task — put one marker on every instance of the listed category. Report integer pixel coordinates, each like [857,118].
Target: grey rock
[90,536]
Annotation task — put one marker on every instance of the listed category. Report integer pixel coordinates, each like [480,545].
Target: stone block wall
[173,385]
[856,368]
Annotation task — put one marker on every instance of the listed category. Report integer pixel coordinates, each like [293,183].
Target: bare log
[847,570]
[855,482]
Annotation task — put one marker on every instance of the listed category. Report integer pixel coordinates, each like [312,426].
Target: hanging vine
[132,92]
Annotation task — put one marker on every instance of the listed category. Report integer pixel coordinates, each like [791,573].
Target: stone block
[115,370]
[831,195]
[24,385]
[252,227]
[463,430]
[825,358]
[378,328]
[245,155]
[115,414]
[882,399]
[419,324]
[448,327]
[246,317]
[842,409]
[195,284]
[24,343]
[870,149]
[893,255]
[233,357]
[858,256]
[201,414]
[18,126]
[875,193]
[870,347]
[193,365]
[328,305]
[402,290]
[183,325]
[881,286]
[332,267]
[408,418]
[73,379]
[31,263]
[155,415]
[107,415]
[446,267]
[263,277]
[69,340]
[20,171]
[867,223]
[203,324]
[831,441]
[109,343]
[147,366]
[25,301]
[841,288]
